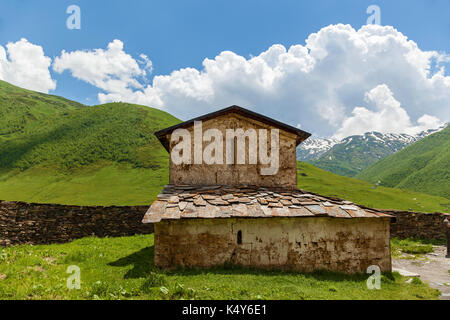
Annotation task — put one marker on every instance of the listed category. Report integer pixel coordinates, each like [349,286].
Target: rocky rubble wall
[409,224]
[30,223]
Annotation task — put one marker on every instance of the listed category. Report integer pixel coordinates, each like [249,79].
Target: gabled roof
[301,135]
[193,201]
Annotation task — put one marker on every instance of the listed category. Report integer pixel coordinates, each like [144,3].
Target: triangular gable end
[162,135]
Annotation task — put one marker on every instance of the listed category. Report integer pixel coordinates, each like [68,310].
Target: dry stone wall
[31,223]
[22,223]
[409,224]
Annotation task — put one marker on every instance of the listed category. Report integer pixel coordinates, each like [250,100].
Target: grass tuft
[413,246]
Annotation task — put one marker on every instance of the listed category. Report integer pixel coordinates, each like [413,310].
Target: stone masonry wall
[301,244]
[31,223]
[48,223]
[417,225]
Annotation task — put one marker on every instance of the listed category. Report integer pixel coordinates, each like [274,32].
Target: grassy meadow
[413,247]
[326,183]
[122,268]
[100,184]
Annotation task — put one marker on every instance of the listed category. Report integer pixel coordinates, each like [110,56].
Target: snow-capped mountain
[312,149]
[355,153]
[423,134]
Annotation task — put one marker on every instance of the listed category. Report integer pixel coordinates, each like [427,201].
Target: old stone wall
[48,223]
[302,244]
[235,174]
[417,225]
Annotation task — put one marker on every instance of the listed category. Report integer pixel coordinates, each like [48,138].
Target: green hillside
[326,183]
[423,166]
[20,108]
[63,152]
[56,150]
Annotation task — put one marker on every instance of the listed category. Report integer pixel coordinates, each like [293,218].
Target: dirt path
[433,268]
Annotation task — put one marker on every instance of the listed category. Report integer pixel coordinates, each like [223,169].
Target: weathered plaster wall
[249,174]
[32,223]
[302,244]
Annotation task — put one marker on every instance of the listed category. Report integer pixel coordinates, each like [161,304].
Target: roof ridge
[301,135]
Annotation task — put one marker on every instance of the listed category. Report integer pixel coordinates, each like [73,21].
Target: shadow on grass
[142,262]
[321,275]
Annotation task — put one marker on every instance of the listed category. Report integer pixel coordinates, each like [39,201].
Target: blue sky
[180,34]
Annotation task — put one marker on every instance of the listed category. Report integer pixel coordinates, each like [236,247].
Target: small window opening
[239,237]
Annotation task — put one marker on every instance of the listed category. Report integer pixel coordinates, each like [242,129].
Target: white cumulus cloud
[389,116]
[111,70]
[317,84]
[25,65]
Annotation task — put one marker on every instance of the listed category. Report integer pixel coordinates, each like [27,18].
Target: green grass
[116,132]
[423,166]
[323,182]
[413,246]
[59,151]
[122,268]
[101,184]
[21,108]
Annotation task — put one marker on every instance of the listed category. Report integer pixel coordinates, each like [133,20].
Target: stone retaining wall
[417,225]
[33,223]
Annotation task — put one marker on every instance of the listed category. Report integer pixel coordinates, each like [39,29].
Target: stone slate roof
[301,135]
[192,201]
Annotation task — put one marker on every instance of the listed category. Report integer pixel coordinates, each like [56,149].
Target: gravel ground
[433,268]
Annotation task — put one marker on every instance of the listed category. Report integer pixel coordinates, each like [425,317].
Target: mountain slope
[57,150]
[353,154]
[107,155]
[312,149]
[98,155]
[317,180]
[423,166]
[20,108]
[117,132]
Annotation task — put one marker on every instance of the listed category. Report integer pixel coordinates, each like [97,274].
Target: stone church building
[235,210]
